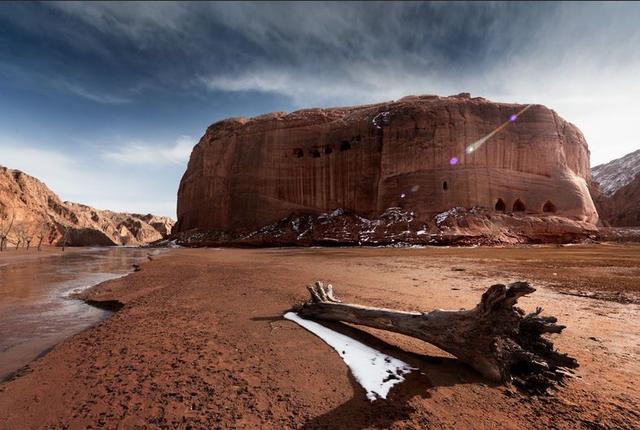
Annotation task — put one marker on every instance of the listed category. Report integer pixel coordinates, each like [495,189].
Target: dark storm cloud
[105,86]
[110,52]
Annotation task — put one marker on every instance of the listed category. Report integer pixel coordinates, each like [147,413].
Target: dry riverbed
[201,343]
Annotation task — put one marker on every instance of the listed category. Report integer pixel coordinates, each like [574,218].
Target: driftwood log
[496,338]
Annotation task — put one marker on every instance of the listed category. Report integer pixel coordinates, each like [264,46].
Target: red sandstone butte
[248,172]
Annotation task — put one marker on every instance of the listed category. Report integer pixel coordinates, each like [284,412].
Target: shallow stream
[36,311]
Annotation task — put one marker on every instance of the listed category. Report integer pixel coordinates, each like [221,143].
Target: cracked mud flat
[201,343]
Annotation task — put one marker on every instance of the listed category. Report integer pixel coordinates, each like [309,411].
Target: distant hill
[33,210]
[616,174]
[616,191]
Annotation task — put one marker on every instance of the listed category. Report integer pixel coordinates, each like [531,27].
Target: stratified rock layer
[248,173]
[36,211]
[616,191]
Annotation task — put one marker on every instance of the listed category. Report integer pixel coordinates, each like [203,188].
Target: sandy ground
[200,343]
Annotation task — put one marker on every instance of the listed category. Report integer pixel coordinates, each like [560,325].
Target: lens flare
[453,161]
[478,143]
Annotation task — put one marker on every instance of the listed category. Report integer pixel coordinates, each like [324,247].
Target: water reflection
[35,309]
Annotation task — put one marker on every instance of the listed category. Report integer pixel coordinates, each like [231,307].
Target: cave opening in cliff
[445,186]
[315,153]
[548,207]
[298,152]
[518,206]
[500,206]
[345,145]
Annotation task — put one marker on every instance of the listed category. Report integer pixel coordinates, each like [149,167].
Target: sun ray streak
[478,143]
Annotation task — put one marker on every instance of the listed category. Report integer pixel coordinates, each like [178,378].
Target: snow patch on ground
[442,217]
[381,119]
[88,281]
[173,244]
[375,371]
[166,243]
[325,218]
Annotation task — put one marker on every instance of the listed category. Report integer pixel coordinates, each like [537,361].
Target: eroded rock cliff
[617,173]
[622,209]
[37,211]
[616,191]
[411,154]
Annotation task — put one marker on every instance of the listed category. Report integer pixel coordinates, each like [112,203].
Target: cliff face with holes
[249,172]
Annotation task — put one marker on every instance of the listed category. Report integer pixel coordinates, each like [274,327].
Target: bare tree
[19,236]
[5,229]
[27,238]
[41,232]
[64,237]
[24,235]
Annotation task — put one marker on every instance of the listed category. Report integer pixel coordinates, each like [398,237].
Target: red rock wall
[31,209]
[245,173]
[622,209]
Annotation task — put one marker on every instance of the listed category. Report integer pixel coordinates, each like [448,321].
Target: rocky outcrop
[622,209]
[616,191]
[412,154]
[37,211]
[396,227]
[617,173]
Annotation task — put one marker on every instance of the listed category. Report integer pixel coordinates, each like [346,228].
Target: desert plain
[199,342]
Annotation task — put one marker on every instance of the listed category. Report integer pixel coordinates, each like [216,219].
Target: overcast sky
[103,101]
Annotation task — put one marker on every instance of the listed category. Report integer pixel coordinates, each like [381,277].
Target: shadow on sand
[360,413]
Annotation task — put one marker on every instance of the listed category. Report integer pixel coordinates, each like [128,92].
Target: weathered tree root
[496,338]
